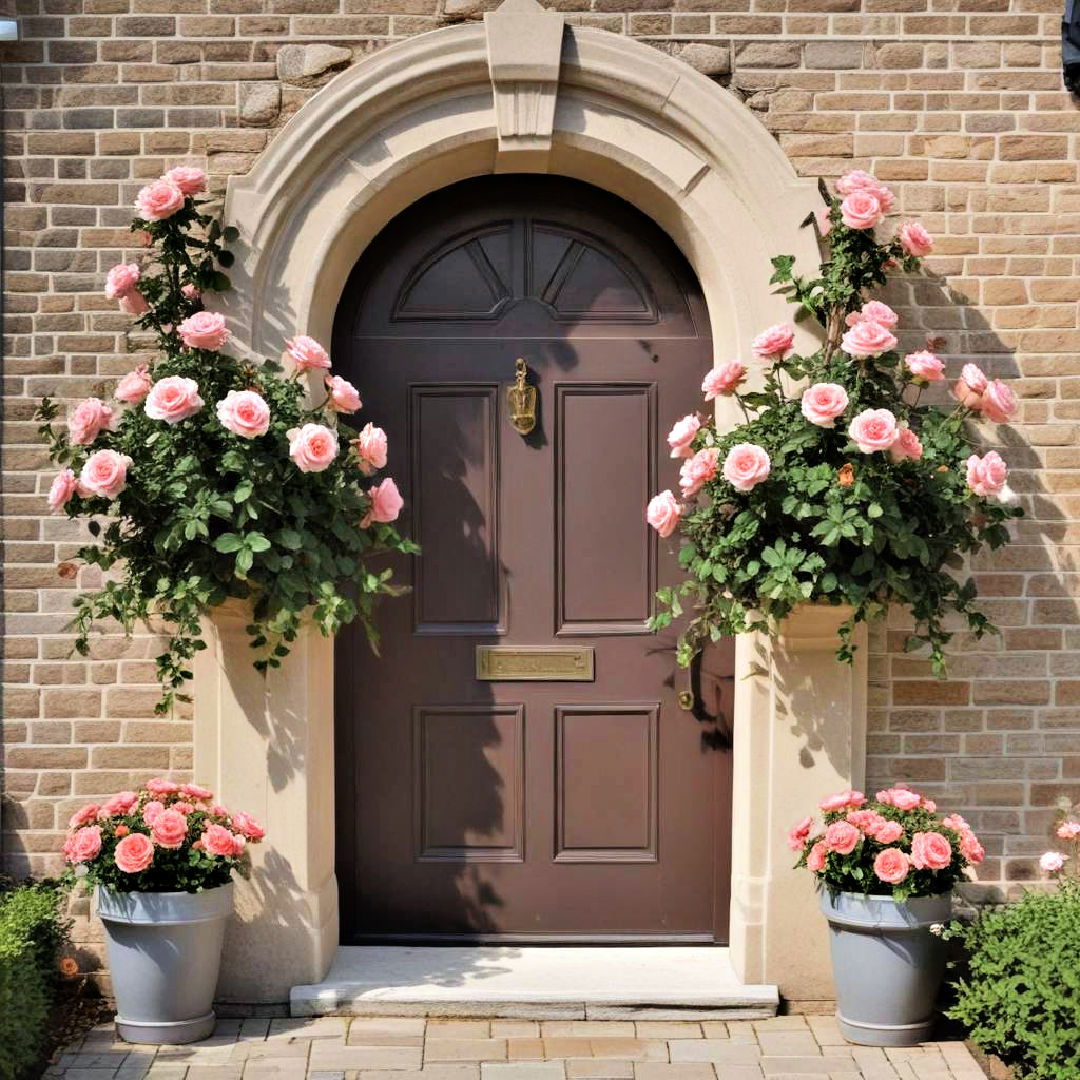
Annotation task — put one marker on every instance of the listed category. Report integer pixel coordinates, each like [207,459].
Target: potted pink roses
[886,868]
[162,860]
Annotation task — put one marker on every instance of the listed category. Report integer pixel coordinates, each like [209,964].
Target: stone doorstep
[535,983]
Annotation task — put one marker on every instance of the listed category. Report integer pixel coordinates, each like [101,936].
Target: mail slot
[534,663]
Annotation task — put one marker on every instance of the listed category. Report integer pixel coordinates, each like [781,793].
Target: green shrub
[1021,996]
[31,935]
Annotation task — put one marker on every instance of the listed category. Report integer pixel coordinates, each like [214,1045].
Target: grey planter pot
[164,953]
[887,965]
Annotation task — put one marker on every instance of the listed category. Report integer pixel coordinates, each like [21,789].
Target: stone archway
[522,92]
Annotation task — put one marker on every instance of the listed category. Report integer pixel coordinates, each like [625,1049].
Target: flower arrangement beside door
[216,476]
[841,486]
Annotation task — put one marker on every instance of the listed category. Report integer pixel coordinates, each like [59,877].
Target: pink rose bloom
[121,280]
[182,807]
[843,800]
[866,339]
[1051,862]
[867,820]
[929,805]
[800,833]
[858,180]
[663,513]
[907,446]
[888,832]
[1069,830]
[998,402]
[196,791]
[158,200]
[169,829]
[160,786]
[84,845]
[204,330]
[986,475]
[823,402]
[914,239]
[874,311]
[104,475]
[697,471]
[955,822]
[190,292]
[244,413]
[815,861]
[313,447]
[134,303]
[842,837]
[873,429]
[969,388]
[188,179]
[925,365]
[84,815]
[217,840]
[305,353]
[746,465]
[343,396]
[134,853]
[371,449]
[134,386]
[219,811]
[386,503]
[861,210]
[930,851]
[682,435]
[891,866]
[775,343]
[248,826]
[151,811]
[901,798]
[63,487]
[173,399]
[88,419]
[123,802]
[970,848]
[723,380]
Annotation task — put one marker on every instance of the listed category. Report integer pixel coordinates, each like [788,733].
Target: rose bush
[841,486]
[211,477]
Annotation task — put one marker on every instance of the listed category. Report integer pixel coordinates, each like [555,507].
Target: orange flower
[846,476]
[69,967]
[122,830]
[943,468]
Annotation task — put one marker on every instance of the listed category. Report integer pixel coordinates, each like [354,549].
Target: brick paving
[393,1048]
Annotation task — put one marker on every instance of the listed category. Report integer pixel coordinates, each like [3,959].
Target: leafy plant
[840,486]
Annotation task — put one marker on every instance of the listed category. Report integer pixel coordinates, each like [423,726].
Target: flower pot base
[166,1033]
[864,1034]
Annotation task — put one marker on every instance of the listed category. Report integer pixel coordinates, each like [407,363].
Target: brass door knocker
[521,399]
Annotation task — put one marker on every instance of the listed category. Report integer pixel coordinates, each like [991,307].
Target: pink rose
[158,200]
[955,822]
[891,866]
[888,832]
[1069,830]
[858,180]
[151,811]
[815,861]
[188,179]
[134,303]
[873,429]
[682,435]
[907,446]
[342,396]
[970,848]
[173,399]
[313,447]
[986,476]
[160,786]
[901,798]
[217,840]
[723,380]
[371,449]
[866,339]
[248,826]
[169,829]
[245,413]
[842,837]
[88,419]
[134,386]
[190,292]
[800,833]
[104,475]
[843,800]
[204,330]
[305,353]
[998,402]
[775,343]
[746,465]
[386,503]
[219,811]
[874,311]
[134,853]
[914,239]
[930,851]
[121,280]
[123,802]
[182,807]
[697,471]
[63,487]
[861,209]
[196,792]
[84,815]
[869,821]
[663,513]
[84,845]
[823,402]
[925,365]
[1051,862]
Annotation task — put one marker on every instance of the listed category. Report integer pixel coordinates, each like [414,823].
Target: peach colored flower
[1069,830]
[845,475]
[305,353]
[867,339]
[746,466]
[85,844]
[775,343]
[968,389]
[151,811]
[134,853]
[823,402]
[189,180]
[169,829]
[858,180]
[986,476]
[248,826]
[998,402]
[158,200]
[104,475]
[874,311]
[121,280]
[930,851]
[182,807]
[914,239]
[891,866]
[386,503]
[901,798]
[313,447]
[84,815]
[843,800]
[371,449]
[970,847]
[196,791]
[1051,862]
[134,303]
[697,471]
[342,397]
[121,830]
[954,822]
[204,330]
[663,513]
[244,413]
[815,861]
[123,802]
[134,386]
[873,429]
[88,419]
[218,840]
[907,446]
[869,821]
[800,833]
[888,832]
[173,399]
[63,487]
[842,837]
[682,435]
[161,786]
[861,209]
[722,381]
[925,365]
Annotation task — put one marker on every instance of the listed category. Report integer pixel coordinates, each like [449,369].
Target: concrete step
[535,982]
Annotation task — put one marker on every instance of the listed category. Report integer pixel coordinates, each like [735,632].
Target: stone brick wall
[956,103]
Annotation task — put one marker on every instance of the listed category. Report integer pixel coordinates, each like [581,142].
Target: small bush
[1021,996]
[31,935]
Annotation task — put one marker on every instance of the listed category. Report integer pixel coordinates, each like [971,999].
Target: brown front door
[523,808]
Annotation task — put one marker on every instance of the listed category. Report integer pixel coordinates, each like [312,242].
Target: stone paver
[408,1048]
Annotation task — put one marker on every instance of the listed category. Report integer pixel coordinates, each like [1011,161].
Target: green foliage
[1020,997]
[31,935]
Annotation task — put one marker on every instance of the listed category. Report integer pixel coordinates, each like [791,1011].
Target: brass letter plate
[498,663]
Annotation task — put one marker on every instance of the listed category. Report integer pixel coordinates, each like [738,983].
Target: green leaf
[256,542]
[228,542]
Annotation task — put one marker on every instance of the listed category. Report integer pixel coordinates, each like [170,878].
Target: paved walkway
[385,1048]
